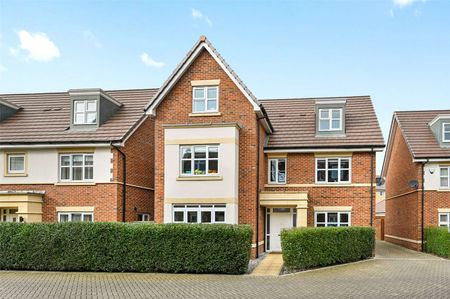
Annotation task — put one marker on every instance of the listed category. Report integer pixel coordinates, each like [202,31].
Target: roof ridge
[66,92]
[313,98]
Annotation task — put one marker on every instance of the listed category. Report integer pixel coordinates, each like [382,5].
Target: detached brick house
[207,147]
[417,169]
[62,156]
[223,156]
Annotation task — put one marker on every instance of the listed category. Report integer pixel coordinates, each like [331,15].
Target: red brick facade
[301,171]
[106,198]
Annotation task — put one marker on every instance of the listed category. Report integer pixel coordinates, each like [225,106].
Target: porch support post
[302,214]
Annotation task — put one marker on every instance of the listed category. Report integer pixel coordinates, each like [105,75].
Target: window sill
[200,178]
[443,190]
[202,114]
[16,175]
[75,184]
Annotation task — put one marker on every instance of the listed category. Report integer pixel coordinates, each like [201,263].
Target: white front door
[277,219]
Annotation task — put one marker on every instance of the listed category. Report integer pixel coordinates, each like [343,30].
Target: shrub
[120,247]
[305,248]
[437,241]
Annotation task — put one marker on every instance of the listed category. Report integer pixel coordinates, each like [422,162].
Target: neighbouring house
[81,155]
[224,156]
[417,173]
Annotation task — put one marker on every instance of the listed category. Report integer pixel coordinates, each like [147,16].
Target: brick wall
[234,107]
[403,204]
[301,170]
[139,151]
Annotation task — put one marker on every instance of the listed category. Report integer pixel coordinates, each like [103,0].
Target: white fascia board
[438,117]
[431,160]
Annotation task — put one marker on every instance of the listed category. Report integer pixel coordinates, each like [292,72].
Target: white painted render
[43,166]
[224,189]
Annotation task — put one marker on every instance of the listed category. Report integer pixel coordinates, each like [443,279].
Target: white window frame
[85,112]
[330,119]
[443,176]
[277,171]
[338,169]
[145,217]
[445,131]
[70,155]
[70,215]
[326,223]
[213,208]
[444,223]
[205,99]
[193,159]
[16,155]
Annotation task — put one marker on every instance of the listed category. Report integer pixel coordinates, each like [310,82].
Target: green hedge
[437,241]
[305,248]
[121,247]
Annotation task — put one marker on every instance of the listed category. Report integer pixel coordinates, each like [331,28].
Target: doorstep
[270,266]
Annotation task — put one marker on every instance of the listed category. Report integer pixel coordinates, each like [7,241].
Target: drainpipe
[124,186]
[371,186]
[423,202]
[257,187]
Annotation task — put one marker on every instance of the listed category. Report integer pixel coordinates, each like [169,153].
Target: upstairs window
[199,160]
[277,171]
[205,99]
[330,119]
[333,170]
[446,132]
[445,177]
[85,112]
[16,163]
[76,167]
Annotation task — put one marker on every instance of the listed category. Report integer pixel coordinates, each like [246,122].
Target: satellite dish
[413,184]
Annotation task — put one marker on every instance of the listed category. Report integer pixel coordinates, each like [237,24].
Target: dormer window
[330,119]
[205,99]
[446,132]
[85,112]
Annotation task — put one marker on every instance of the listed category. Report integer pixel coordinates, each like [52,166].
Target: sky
[396,51]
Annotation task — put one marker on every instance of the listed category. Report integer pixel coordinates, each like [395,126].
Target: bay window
[326,219]
[277,171]
[76,167]
[199,160]
[333,170]
[199,213]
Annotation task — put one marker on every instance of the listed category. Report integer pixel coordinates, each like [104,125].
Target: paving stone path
[394,273]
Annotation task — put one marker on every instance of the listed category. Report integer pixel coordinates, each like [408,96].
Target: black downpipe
[371,187]
[124,186]
[423,203]
[257,189]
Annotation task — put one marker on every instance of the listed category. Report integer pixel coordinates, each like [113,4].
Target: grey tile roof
[418,135]
[294,123]
[45,118]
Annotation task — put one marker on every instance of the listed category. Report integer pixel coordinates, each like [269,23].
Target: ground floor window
[76,217]
[199,213]
[324,219]
[444,219]
[144,217]
[9,215]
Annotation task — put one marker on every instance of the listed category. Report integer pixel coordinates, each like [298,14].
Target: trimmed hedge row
[121,247]
[437,241]
[305,248]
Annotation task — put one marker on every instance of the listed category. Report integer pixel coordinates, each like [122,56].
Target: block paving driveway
[394,273]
